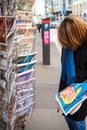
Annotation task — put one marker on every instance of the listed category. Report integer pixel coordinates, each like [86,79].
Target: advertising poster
[46,37]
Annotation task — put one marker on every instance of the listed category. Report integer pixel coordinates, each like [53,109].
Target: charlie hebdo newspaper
[70,99]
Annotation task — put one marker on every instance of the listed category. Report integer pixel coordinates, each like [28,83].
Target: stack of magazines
[25,60]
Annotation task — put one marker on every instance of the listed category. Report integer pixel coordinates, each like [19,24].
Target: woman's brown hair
[72,32]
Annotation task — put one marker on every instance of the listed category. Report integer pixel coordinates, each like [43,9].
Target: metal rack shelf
[17,96]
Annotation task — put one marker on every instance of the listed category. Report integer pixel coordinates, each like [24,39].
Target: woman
[72,34]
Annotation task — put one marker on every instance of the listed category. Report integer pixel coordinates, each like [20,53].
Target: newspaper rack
[17,96]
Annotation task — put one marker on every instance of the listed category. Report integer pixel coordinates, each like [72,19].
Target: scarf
[68,68]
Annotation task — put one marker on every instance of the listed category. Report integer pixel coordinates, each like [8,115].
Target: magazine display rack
[17,60]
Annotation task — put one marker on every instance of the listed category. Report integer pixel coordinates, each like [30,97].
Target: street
[45,114]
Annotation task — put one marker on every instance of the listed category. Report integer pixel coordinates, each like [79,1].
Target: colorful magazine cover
[24,76]
[26,66]
[71,98]
[26,58]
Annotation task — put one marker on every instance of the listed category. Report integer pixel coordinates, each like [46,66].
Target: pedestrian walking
[72,34]
[39,27]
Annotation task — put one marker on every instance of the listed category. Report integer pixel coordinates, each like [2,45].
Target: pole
[46,2]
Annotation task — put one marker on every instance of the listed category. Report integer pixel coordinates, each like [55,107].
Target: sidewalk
[45,116]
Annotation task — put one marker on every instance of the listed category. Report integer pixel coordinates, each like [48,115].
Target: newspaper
[71,98]
[25,17]
[24,29]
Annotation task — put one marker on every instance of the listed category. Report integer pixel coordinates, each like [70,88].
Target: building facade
[62,8]
[80,9]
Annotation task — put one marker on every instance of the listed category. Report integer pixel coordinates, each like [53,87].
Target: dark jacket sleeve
[62,85]
[81,54]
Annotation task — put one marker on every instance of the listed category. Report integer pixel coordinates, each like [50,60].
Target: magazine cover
[25,84]
[29,113]
[23,49]
[24,46]
[25,58]
[2,83]
[10,22]
[23,105]
[3,50]
[24,93]
[13,104]
[24,29]
[25,5]
[26,66]
[24,110]
[25,17]
[71,97]
[24,75]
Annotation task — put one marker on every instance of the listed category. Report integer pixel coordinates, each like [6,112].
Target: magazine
[24,93]
[25,40]
[8,112]
[13,104]
[25,84]
[25,58]
[23,104]
[3,50]
[24,75]
[20,120]
[71,98]
[25,30]
[29,112]
[26,66]
[3,83]
[24,110]
[25,5]
[25,16]
[23,49]
[10,26]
